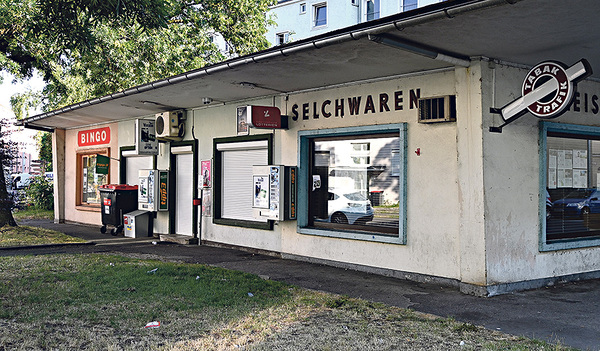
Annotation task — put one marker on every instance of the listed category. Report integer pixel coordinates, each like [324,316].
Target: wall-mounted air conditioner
[437,109]
[169,125]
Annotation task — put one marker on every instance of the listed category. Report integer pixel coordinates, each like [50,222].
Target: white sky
[23,136]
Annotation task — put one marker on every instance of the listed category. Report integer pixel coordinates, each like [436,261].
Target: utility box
[137,224]
[274,192]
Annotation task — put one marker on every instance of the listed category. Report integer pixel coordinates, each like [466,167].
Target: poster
[145,137]
[580,159]
[274,189]
[552,178]
[261,192]
[565,178]
[205,168]
[206,202]
[242,120]
[580,178]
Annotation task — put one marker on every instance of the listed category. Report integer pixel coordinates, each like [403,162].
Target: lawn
[25,235]
[103,302]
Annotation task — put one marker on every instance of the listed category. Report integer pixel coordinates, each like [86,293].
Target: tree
[89,48]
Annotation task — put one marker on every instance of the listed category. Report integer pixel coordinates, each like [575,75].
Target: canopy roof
[522,32]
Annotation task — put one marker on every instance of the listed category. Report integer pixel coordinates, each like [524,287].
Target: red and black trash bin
[117,200]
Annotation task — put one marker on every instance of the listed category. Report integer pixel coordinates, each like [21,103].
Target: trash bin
[376,198]
[137,224]
[117,199]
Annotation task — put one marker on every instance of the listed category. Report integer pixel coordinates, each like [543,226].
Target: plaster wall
[512,187]
[86,214]
[432,195]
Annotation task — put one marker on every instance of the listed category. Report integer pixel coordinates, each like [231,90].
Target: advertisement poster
[145,142]
[205,168]
[242,120]
[206,202]
[580,178]
[580,159]
[274,189]
[261,192]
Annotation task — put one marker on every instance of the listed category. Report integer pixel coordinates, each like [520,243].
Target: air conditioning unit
[169,125]
[437,109]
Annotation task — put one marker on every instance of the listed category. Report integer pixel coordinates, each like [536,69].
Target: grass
[24,235]
[32,213]
[102,302]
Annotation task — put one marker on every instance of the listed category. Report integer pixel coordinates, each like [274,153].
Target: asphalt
[568,313]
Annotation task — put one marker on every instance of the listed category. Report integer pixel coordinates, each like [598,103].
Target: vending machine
[153,190]
[274,192]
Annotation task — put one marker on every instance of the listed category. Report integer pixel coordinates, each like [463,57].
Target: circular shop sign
[555,103]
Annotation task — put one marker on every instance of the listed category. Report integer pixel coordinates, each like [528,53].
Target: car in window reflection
[578,203]
[349,208]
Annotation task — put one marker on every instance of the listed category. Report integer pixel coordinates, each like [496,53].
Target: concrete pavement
[567,313]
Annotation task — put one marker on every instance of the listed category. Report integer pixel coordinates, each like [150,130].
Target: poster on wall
[206,202]
[145,137]
[242,120]
[565,178]
[205,168]
[552,178]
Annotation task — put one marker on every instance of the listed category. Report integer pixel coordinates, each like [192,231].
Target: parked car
[349,208]
[578,203]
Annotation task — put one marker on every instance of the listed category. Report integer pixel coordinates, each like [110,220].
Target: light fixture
[248,85]
[415,48]
[207,100]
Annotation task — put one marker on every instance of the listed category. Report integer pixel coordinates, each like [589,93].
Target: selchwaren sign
[547,90]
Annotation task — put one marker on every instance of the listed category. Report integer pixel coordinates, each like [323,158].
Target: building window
[372,9]
[409,5]
[302,8]
[351,190]
[570,199]
[232,182]
[282,38]
[320,15]
[88,181]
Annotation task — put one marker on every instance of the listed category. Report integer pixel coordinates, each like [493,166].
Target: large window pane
[572,199]
[355,185]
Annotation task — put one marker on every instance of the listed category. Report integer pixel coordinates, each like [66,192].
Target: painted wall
[512,186]
[86,214]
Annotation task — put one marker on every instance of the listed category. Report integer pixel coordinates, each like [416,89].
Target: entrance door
[184,189]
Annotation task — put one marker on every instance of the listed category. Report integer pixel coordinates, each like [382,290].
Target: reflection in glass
[355,183]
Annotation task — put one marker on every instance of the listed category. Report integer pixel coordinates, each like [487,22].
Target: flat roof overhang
[523,32]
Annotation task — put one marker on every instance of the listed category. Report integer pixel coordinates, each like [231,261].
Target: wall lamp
[415,48]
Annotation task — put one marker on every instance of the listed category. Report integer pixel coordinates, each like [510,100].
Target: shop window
[570,199]
[233,186]
[88,180]
[320,15]
[351,183]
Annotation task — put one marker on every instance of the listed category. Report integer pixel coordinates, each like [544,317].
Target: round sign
[557,100]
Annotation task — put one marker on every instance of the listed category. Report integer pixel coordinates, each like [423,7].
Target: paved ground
[567,313]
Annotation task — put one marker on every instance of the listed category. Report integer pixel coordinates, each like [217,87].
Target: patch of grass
[24,235]
[32,213]
[103,302]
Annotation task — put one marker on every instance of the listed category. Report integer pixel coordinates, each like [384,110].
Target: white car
[349,208]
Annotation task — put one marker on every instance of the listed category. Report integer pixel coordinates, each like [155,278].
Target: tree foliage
[7,151]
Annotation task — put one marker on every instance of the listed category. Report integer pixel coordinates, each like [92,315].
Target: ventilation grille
[437,109]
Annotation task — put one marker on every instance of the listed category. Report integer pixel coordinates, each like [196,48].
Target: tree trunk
[6,200]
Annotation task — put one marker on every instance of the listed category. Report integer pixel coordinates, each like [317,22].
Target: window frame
[302,8]
[316,8]
[286,37]
[304,155]
[79,203]
[376,13]
[217,180]
[545,128]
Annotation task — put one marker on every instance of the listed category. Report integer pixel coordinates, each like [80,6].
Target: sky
[23,136]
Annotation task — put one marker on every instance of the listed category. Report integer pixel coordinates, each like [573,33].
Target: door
[184,186]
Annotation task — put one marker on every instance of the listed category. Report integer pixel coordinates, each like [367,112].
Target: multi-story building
[299,19]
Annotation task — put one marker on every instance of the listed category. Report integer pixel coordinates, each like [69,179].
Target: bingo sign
[93,137]
[547,90]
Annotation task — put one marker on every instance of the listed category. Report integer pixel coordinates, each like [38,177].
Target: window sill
[88,208]
[373,237]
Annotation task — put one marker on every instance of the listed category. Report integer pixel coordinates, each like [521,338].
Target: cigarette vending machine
[274,192]
[153,190]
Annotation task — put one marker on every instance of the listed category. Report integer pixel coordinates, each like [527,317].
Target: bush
[40,193]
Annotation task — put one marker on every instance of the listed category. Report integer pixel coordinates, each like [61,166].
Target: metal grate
[437,109]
